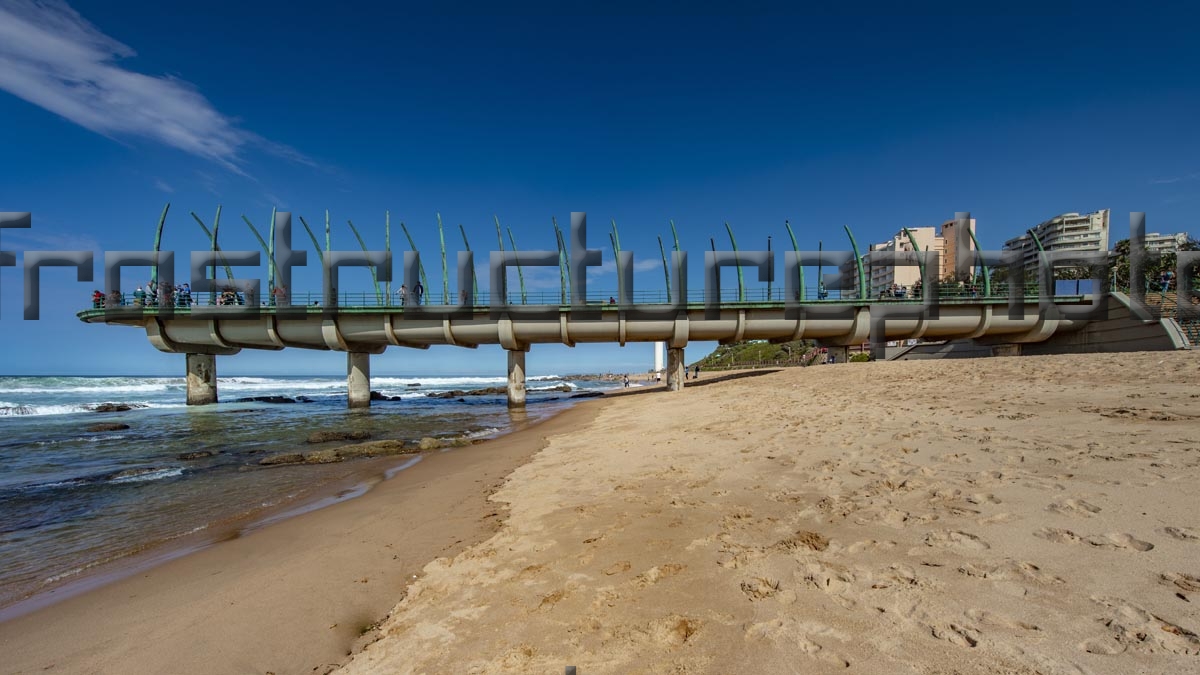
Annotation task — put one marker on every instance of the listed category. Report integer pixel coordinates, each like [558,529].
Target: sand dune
[1015,515]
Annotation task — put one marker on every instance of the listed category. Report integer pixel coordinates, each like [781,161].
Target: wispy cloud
[163,185]
[54,58]
[1176,179]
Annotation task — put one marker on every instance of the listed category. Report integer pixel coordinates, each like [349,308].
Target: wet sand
[291,597]
[1006,515]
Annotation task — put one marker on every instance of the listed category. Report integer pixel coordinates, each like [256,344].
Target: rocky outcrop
[116,407]
[199,454]
[327,436]
[266,399]
[108,426]
[330,455]
[588,394]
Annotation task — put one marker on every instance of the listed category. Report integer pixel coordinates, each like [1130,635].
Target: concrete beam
[516,379]
[675,369]
[201,379]
[358,379]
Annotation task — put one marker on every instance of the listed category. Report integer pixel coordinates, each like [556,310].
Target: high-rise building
[928,239]
[1067,232]
[1165,243]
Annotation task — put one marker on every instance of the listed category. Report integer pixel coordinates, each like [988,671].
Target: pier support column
[516,379]
[675,369]
[201,379]
[358,379]
[840,354]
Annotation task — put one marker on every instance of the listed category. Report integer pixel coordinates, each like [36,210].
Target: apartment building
[928,239]
[1067,232]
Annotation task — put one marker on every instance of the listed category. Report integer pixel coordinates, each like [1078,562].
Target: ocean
[76,502]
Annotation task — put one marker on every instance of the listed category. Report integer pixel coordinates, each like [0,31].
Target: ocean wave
[22,410]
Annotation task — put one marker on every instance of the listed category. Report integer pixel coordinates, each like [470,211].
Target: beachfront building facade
[1067,232]
[883,276]
[1165,243]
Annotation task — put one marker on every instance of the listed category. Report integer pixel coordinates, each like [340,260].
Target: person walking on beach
[627,381]
[696,375]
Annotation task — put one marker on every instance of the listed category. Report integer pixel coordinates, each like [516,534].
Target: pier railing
[727,296]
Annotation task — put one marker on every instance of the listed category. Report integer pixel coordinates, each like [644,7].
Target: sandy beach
[1006,515]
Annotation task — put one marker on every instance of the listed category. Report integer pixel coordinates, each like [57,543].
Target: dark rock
[587,394]
[282,458]
[430,443]
[374,449]
[265,399]
[116,407]
[413,384]
[322,457]
[199,454]
[326,436]
[108,426]
[376,396]
[459,393]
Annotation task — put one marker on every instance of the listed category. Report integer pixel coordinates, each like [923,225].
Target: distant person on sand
[696,375]
[626,380]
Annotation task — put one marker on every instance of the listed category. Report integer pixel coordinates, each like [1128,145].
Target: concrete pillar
[201,379]
[358,379]
[516,379]
[840,354]
[675,369]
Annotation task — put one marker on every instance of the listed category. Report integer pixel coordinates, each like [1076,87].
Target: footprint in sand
[955,539]
[1117,540]
[1128,626]
[1182,533]
[1073,507]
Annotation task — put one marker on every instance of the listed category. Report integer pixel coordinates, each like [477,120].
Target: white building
[1068,232]
[1165,243]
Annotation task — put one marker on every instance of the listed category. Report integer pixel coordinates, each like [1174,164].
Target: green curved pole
[328,248]
[387,246]
[987,273]
[741,280]
[666,270]
[1036,241]
[615,239]
[271,256]
[520,275]
[916,247]
[445,275]
[561,244]
[862,274]
[413,246]
[799,268]
[313,238]
[162,220]
[261,242]
[674,234]
[216,248]
[374,273]
[467,245]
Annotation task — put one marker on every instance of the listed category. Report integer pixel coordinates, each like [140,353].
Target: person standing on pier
[419,291]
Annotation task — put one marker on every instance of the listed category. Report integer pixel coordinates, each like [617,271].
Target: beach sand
[1006,515]
[295,596]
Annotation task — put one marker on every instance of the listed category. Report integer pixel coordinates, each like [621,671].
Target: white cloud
[163,185]
[1175,179]
[54,58]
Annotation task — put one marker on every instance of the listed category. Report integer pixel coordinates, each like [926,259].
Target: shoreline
[177,600]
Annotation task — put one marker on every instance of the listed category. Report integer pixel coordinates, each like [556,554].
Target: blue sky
[876,119]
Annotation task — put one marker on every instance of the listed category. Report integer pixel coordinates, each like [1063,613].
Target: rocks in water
[108,426]
[116,407]
[266,399]
[413,384]
[282,458]
[377,396]
[375,449]
[430,443]
[330,455]
[459,393]
[587,394]
[199,454]
[327,436]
